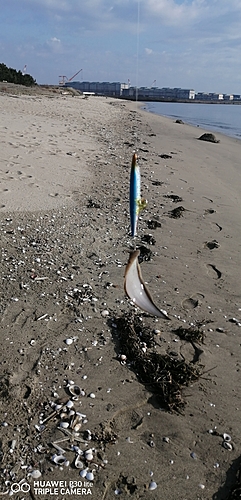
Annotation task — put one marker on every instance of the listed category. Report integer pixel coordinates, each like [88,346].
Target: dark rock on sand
[208,137]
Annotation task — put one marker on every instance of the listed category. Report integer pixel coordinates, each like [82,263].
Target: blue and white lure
[136,203]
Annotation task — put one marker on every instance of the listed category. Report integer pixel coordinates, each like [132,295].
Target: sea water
[223,118]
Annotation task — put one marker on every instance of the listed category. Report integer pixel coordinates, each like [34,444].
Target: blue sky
[189,44]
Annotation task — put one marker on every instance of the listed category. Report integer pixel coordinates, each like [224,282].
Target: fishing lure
[136,202]
[136,289]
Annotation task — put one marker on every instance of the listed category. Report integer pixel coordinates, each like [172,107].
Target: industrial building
[156,93]
[117,89]
[114,89]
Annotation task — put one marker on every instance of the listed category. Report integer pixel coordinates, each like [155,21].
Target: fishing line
[137,69]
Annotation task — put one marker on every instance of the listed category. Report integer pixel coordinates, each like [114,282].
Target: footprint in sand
[192,302]
[213,271]
[211,244]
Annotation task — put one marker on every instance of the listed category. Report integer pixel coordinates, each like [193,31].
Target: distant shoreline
[191,101]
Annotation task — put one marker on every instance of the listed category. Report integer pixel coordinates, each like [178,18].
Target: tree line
[11,75]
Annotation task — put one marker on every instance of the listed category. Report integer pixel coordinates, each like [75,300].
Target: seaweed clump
[190,334]
[162,374]
[176,213]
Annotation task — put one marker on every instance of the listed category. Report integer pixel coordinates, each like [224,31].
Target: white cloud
[148,51]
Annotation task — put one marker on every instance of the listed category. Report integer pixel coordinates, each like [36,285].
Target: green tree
[13,76]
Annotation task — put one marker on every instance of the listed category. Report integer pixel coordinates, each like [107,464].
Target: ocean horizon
[221,118]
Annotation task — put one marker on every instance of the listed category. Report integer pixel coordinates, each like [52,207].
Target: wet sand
[64,181]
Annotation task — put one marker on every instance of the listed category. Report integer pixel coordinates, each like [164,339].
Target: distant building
[117,89]
[114,89]
[212,96]
[159,93]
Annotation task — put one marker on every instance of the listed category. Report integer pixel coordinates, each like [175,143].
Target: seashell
[64,425]
[58,459]
[70,404]
[105,313]
[69,341]
[74,390]
[58,407]
[227,445]
[89,456]
[92,395]
[83,472]
[227,437]
[90,476]
[152,485]
[63,415]
[136,289]
[71,413]
[77,427]
[35,474]
[78,463]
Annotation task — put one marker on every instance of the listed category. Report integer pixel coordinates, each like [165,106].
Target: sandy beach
[65,238]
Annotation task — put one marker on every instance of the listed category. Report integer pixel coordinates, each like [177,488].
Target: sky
[192,44]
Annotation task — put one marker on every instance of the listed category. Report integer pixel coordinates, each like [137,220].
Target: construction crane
[65,79]
[153,83]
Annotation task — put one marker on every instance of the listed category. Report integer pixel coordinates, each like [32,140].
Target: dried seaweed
[174,197]
[148,238]
[163,374]
[153,224]
[190,334]
[176,212]
[92,204]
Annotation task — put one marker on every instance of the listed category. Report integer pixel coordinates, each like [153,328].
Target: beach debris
[208,137]
[212,244]
[190,334]
[153,224]
[136,289]
[136,202]
[174,197]
[179,121]
[145,254]
[177,212]
[35,474]
[148,238]
[92,204]
[163,374]
[165,156]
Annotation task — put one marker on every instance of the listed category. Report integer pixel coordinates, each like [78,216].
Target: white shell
[64,425]
[227,445]
[69,341]
[77,427]
[90,476]
[136,289]
[89,456]
[83,472]
[59,459]
[105,313]
[78,463]
[152,485]
[35,474]
[74,390]
[92,395]
[70,404]
[227,437]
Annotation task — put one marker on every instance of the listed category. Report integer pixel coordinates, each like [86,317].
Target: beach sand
[64,180]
